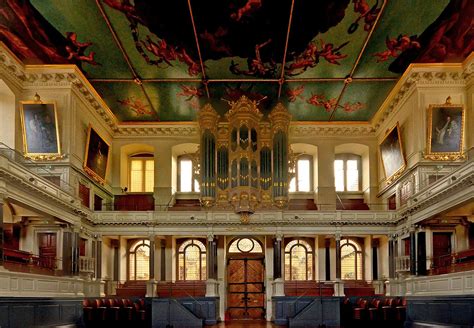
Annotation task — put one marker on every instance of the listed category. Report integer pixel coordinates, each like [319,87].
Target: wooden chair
[360,311]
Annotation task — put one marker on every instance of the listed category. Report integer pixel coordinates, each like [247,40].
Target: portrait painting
[445,131]
[391,152]
[40,129]
[97,155]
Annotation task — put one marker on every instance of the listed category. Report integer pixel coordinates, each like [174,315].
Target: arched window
[139,260]
[186,179]
[245,245]
[192,260]
[347,172]
[142,173]
[303,174]
[298,260]
[351,260]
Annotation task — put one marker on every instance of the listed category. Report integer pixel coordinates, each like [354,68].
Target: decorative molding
[157,130]
[302,130]
[422,75]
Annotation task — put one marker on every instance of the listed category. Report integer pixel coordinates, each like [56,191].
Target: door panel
[47,250]
[246,292]
[441,249]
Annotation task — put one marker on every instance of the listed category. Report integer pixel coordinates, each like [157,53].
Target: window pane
[293,185]
[304,175]
[186,174]
[352,176]
[149,175]
[142,257]
[197,187]
[181,266]
[298,263]
[131,265]
[136,175]
[348,259]
[192,257]
[287,266]
[339,174]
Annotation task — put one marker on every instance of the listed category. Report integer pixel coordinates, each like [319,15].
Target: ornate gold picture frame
[97,155]
[39,123]
[445,132]
[391,154]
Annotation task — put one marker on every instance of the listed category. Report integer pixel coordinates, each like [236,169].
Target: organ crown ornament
[244,159]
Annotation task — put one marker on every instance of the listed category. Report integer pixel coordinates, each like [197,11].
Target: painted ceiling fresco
[326,60]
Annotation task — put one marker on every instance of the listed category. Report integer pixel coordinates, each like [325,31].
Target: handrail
[41,168]
[340,201]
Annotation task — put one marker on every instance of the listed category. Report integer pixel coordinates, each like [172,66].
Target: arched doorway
[245,279]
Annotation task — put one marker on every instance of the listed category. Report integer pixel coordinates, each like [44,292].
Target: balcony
[402,264]
[86,264]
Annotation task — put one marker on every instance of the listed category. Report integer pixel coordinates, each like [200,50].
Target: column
[421,254]
[375,264]
[328,258]
[164,176]
[278,282]
[67,253]
[211,282]
[277,257]
[115,243]
[412,252]
[326,185]
[75,252]
[163,260]
[2,201]
[391,257]
[98,260]
[338,284]
[152,258]
[338,257]
[151,285]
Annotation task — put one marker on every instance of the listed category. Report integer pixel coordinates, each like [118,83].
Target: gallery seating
[373,312]
[188,288]
[119,312]
[132,288]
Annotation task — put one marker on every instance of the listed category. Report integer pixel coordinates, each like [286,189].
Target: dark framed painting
[97,155]
[391,153]
[39,122]
[445,131]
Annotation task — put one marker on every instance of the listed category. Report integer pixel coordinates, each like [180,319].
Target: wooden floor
[245,324]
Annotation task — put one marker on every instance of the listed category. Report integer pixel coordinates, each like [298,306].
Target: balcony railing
[37,168]
[402,263]
[86,264]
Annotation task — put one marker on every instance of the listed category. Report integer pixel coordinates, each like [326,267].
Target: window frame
[202,272]
[193,185]
[311,253]
[132,249]
[299,157]
[346,157]
[143,157]
[358,247]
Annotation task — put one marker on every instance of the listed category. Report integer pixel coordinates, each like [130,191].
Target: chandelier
[244,158]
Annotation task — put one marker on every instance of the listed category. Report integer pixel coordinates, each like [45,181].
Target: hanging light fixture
[244,159]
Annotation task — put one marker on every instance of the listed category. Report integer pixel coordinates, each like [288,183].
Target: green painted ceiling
[328,60]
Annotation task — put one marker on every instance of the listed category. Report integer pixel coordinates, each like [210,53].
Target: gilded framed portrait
[39,123]
[445,131]
[97,155]
[391,153]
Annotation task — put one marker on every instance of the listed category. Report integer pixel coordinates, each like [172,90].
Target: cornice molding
[423,75]
[302,130]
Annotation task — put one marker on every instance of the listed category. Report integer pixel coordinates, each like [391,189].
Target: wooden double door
[245,288]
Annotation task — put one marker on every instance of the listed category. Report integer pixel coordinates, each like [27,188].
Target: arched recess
[8,127]
[177,151]
[125,152]
[311,150]
[362,151]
